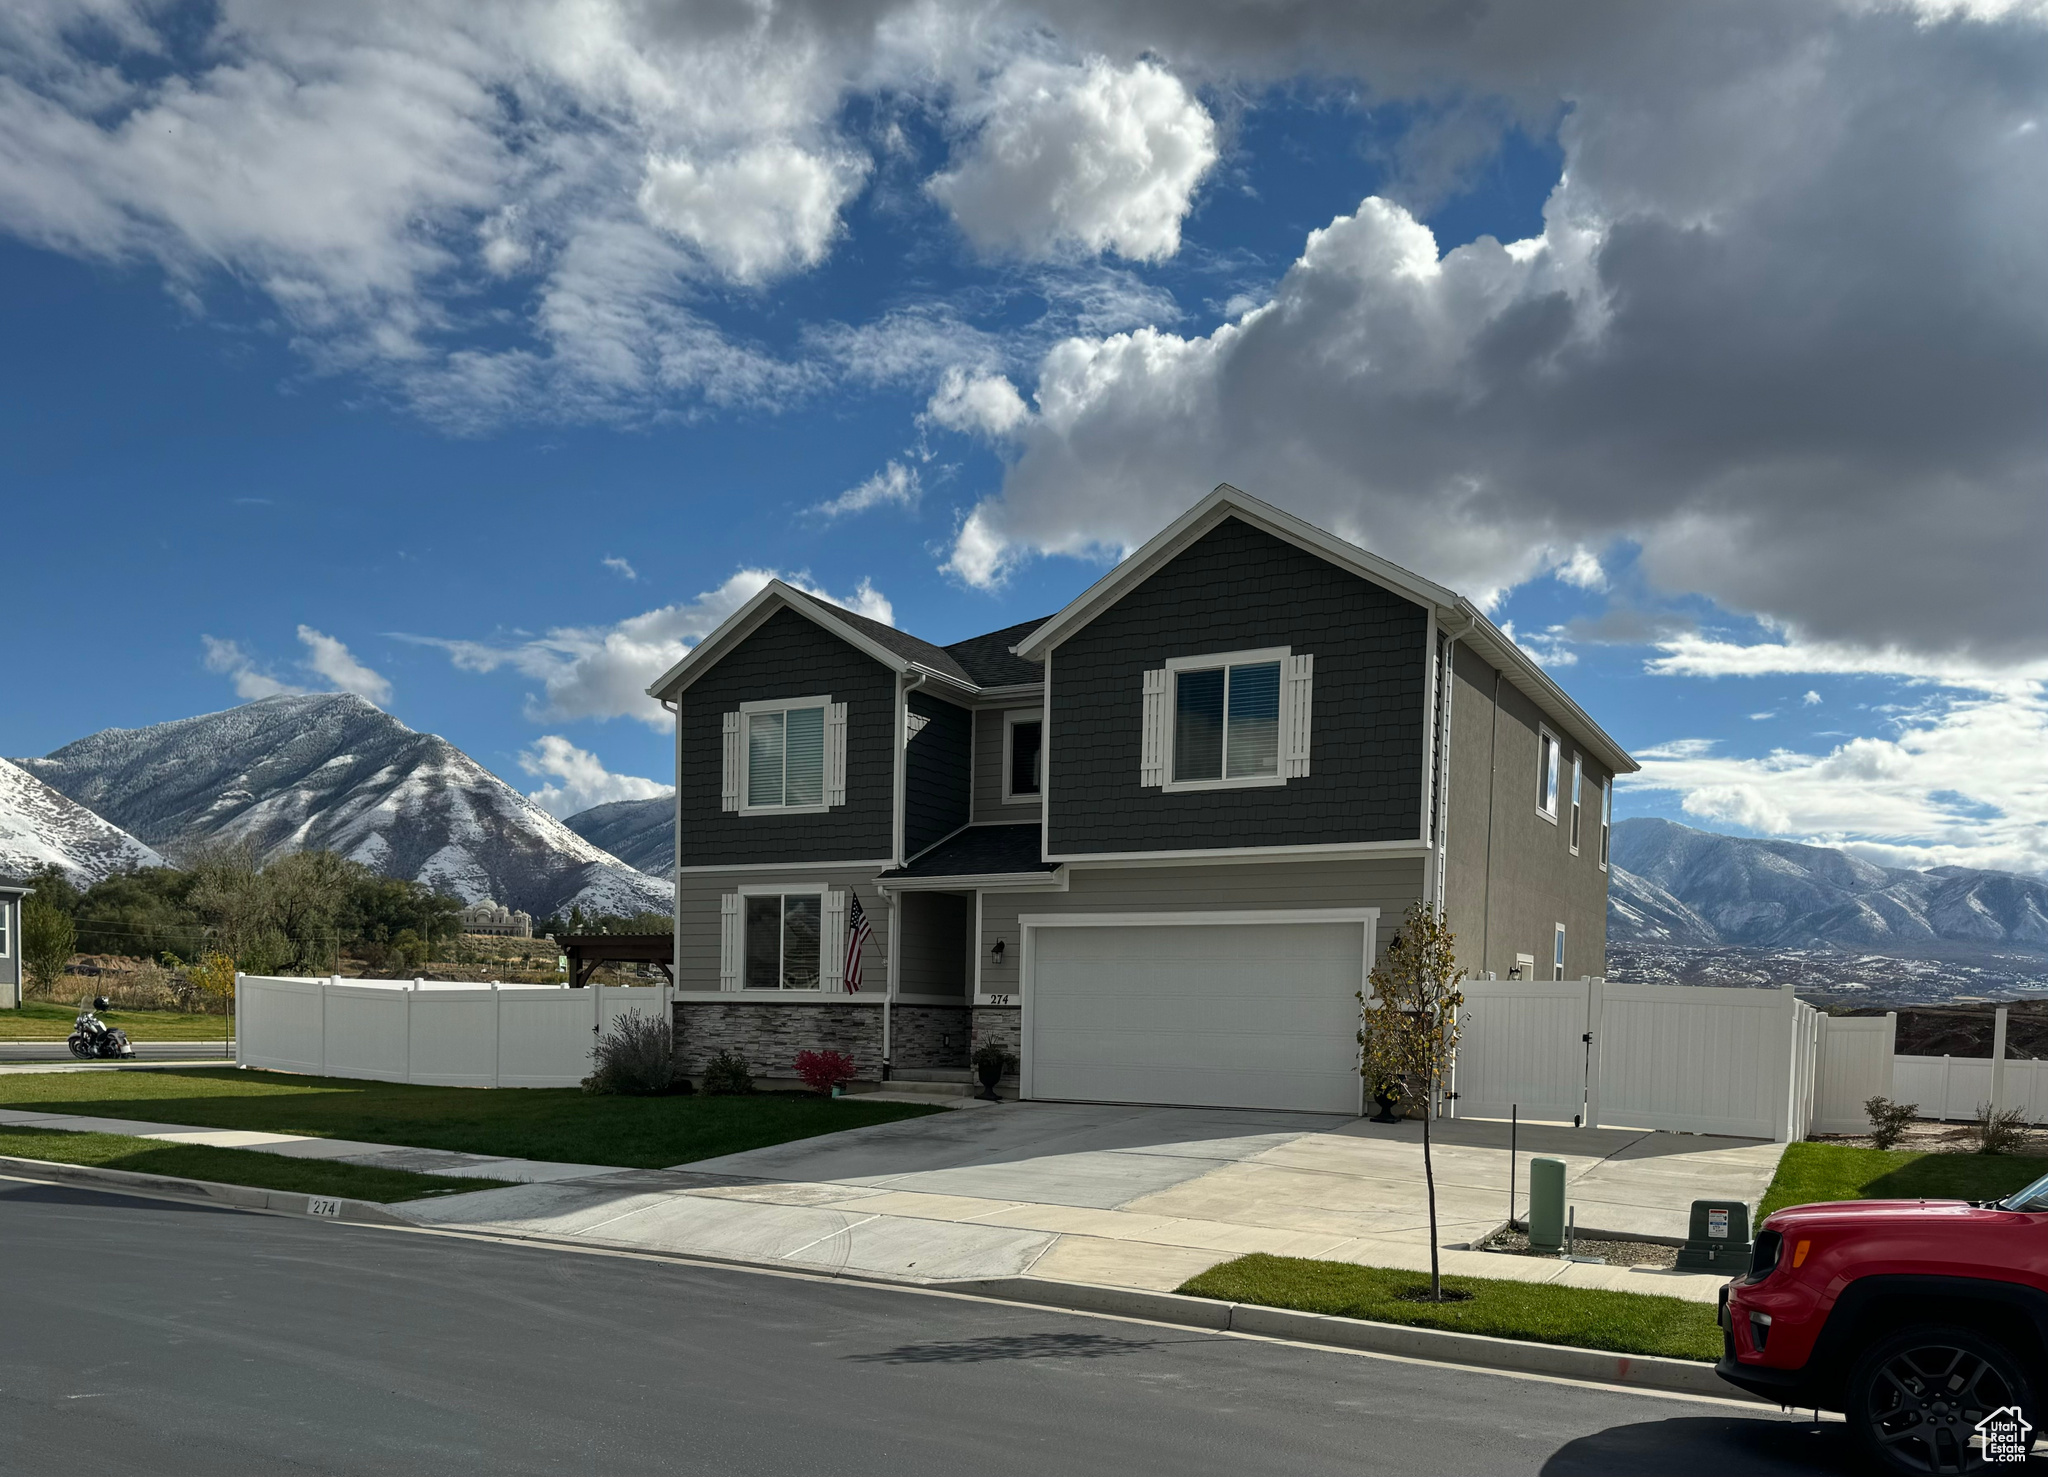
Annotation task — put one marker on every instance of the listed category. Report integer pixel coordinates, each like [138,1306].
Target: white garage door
[1239,1015]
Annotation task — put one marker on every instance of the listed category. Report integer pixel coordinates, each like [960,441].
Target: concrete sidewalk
[1134,1197]
[303,1146]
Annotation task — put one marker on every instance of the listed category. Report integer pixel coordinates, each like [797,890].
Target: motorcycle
[92,1037]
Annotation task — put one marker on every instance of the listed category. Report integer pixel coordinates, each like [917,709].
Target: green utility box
[1546,1204]
[1717,1239]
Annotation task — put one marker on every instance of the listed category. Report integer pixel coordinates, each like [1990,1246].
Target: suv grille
[1763,1259]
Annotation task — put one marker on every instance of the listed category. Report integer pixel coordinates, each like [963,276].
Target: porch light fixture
[996,951]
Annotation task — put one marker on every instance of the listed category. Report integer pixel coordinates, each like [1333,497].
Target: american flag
[857,931]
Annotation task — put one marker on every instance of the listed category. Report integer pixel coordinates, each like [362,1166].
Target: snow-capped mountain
[642,832]
[1672,884]
[40,827]
[333,771]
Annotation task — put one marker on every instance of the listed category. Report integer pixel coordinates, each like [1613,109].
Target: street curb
[1641,1371]
[234,1197]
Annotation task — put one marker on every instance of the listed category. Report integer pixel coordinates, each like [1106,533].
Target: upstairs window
[1578,782]
[1606,818]
[784,755]
[1024,762]
[1546,774]
[783,930]
[1557,956]
[1232,719]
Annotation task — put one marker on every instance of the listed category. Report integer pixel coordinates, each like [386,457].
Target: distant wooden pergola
[587,951]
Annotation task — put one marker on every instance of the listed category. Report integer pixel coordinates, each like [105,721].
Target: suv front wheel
[1914,1400]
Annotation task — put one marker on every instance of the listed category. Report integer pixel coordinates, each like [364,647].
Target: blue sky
[478,363]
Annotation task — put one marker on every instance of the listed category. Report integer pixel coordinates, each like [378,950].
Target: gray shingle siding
[789,656]
[1238,588]
[938,777]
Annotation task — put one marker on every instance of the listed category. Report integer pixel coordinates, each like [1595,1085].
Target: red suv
[1924,1322]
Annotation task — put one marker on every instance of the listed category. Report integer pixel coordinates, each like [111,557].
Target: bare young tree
[1409,1031]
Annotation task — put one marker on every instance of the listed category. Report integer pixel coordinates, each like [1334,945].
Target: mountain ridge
[40,826]
[1672,884]
[332,770]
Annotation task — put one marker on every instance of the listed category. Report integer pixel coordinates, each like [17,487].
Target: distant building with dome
[496,918]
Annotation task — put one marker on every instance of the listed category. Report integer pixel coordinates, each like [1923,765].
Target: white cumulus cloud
[327,659]
[1092,156]
[894,486]
[756,215]
[577,778]
[604,671]
[984,404]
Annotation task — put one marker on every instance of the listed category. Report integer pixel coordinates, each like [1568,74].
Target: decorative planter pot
[1387,1104]
[990,1075]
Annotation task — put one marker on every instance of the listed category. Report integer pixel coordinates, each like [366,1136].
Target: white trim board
[1212,856]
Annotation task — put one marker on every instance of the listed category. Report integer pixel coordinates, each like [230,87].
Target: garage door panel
[1228,1014]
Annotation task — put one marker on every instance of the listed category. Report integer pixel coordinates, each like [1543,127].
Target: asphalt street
[153,1337]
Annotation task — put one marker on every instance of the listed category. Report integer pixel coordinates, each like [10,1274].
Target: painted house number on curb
[322,1206]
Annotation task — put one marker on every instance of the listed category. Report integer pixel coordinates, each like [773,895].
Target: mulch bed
[1617,1253]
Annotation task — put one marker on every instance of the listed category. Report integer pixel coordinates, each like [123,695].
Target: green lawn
[231,1166]
[39,1020]
[1625,1322]
[1814,1172]
[528,1123]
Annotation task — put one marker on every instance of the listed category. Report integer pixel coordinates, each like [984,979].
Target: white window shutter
[1298,705]
[731,945]
[729,773]
[835,754]
[832,943]
[1152,754]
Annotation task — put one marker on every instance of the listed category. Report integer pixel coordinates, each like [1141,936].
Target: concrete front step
[931,1074]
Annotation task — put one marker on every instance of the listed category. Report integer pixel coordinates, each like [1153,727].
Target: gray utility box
[1717,1240]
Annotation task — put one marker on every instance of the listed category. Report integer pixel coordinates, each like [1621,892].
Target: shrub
[2000,1132]
[824,1070]
[635,1056]
[1888,1120]
[728,1075]
[47,938]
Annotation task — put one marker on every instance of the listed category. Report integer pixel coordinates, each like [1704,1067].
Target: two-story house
[1152,843]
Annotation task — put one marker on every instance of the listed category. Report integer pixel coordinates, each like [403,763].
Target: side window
[7,906]
[1578,783]
[1606,818]
[1546,773]
[782,935]
[1557,957]
[1024,758]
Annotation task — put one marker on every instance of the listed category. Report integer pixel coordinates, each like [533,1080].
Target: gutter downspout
[1492,789]
[675,888]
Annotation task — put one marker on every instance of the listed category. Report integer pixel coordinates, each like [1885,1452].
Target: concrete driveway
[1133,1196]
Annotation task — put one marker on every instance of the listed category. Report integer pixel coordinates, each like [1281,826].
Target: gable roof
[1455,615]
[968,666]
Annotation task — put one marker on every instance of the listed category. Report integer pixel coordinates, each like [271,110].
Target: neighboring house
[1152,843]
[11,894]
[495,918]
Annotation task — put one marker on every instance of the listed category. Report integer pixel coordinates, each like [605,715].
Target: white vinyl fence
[1679,1057]
[452,1035]
[1856,1065]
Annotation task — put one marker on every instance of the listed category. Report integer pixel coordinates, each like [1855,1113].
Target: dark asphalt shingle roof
[979,661]
[989,659]
[980,851]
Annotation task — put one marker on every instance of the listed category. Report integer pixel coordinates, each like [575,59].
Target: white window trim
[7,907]
[1011,719]
[782,705]
[1542,773]
[776,889]
[1606,819]
[1578,825]
[1175,665]
[1557,953]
